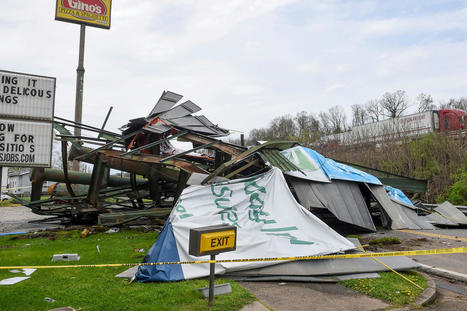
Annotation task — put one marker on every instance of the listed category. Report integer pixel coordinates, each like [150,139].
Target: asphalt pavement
[17,219]
[412,241]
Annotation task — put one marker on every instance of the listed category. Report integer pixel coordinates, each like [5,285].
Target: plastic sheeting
[398,196]
[164,250]
[333,169]
[270,223]
[312,169]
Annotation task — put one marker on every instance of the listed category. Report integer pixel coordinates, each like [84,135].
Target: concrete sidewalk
[309,296]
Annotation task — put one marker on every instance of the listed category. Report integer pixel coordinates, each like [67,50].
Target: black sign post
[212,240]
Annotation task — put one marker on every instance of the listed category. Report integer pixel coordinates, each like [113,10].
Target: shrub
[457,192]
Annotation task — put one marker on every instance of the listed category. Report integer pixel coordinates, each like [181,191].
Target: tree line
[308,127]
[440,159]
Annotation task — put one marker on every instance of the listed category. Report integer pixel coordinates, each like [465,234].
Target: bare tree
[308,127]
[283,127]
[460,104]
[359,115]
[394,103]
[334,121]
[338,119]
[374,110]
[425,102]
[260,134]
[302,121]
[306,122]
[325,123]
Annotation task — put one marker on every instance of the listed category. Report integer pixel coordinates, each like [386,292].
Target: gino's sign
[94,13]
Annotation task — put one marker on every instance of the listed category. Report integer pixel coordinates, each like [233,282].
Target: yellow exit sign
[217,241]
[212,240]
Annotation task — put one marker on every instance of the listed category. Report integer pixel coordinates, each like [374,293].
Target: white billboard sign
[26,96]
[25,143]
[26,119]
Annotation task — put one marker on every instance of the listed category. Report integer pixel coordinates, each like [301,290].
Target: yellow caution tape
[435,235]
[360,248]
[439,251]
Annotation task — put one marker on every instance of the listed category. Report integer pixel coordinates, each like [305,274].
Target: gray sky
[243,61]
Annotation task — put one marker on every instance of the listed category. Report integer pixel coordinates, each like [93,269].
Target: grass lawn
[97,288]
[390,287]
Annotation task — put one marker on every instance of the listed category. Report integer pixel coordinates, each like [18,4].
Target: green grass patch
[8,202]
[385,241]
[97,288]
[14,202]
[390,287]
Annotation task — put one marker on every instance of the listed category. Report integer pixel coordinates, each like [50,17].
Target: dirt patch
[42,234]
[413,244]
[6,246]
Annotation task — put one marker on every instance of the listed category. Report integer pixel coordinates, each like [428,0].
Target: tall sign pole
[95,13]
[79,88]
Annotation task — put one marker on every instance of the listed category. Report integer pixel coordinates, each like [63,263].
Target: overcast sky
[243,61]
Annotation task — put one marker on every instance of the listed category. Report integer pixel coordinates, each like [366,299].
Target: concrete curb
[255,306]
[429,294]
[444,273]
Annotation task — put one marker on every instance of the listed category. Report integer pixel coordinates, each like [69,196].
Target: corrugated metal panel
[401,217]
[196,123]
[276,159]
[332,266]
[166,101]
[182,110]
[158,128]
[451,212]
[439,220]
[397,181]
[306,194]
[345,200]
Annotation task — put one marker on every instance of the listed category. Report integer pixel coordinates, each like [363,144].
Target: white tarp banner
[270,223]
[311,169]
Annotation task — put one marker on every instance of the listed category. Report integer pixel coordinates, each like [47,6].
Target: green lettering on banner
[228,213]
[293,240]
[254,198]
[279,229]
[179,208]
[254,215]
[223,190]
[255,212]
[253,183]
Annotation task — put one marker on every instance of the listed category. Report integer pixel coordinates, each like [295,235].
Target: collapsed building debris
[153,173]
[285,199]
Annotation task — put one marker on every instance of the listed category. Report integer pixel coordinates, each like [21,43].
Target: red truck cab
[452,120]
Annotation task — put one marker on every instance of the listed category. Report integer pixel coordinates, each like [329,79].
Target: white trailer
[417,124]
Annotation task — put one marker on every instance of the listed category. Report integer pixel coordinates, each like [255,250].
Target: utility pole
[79,89]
